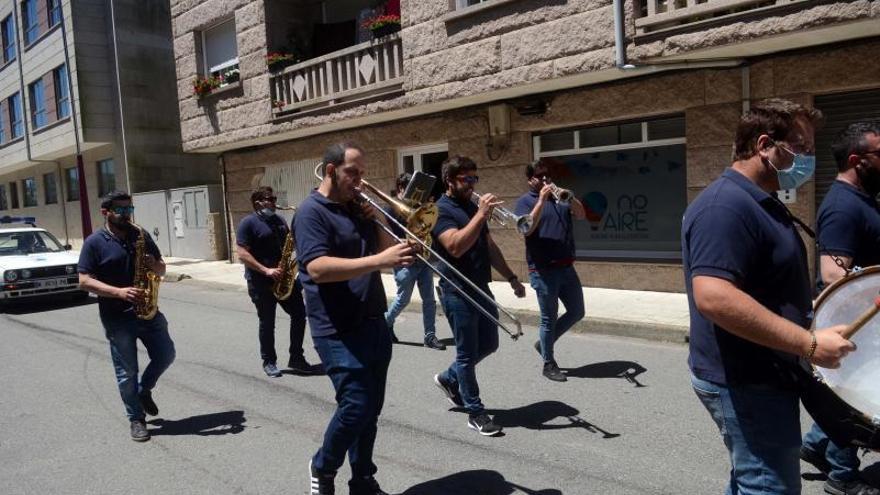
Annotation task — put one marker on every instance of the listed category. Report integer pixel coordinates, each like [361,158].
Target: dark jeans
[844,461]
[123,332]
[265,302]
[551,286]
[761,428]
[357,364]
[475,338]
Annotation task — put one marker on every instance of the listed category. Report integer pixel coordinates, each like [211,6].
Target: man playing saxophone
[260,239]
[107,267]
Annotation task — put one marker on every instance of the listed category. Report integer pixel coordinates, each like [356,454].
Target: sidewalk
[650,315]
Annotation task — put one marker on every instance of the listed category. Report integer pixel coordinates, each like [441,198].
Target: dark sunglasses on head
[469,179]
[122,210]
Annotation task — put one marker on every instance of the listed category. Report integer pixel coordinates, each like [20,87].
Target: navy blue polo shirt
[109,259]
[474,263]
[735,231]
[552,242]
[326,228]
[848,224]
[263,237]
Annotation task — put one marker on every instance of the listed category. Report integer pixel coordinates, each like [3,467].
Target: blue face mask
[267,212]
[800,171]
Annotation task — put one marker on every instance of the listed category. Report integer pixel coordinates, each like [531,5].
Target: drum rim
[823,296]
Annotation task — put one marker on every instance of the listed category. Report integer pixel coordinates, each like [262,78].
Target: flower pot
[385,30]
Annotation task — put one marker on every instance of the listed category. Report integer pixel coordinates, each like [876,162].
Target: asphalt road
[626,422]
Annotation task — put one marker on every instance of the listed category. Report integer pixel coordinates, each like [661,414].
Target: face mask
[870,179]
[266,212]
[798,173]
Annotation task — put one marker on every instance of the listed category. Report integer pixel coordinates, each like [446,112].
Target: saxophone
[145,279]
[283,287]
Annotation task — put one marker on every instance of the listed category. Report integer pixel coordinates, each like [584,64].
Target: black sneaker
[139,431]
[552,371]
[854,487]
[433,343]
[451,392]
[365,486]
[271,370]
[815,459]
[483,424]
[300,365]
[149,407]
[320,483]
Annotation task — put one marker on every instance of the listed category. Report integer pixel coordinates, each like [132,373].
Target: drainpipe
[619,37]
[226,215]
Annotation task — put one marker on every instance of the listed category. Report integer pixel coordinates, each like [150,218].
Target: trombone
[419,218]
[505,217]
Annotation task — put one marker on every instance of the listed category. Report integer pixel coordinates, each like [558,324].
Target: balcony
[663,16]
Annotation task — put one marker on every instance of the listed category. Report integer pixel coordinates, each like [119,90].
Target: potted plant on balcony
[383,25]
[230,75]
[279,60]
[202,86]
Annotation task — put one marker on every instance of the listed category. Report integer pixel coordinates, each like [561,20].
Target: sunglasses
[469,179]
[122,210]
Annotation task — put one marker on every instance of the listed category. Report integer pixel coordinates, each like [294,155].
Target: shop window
[29,187]
[631,178]
[51,188]
[106,177]
[71,184]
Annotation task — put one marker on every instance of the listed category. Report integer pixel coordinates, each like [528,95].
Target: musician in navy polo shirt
[550,256]
[341,250]
[849,237]
[750,301]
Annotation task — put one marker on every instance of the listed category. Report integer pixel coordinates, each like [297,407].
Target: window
[29,186]
[3,204]
[220,49]
[631,178]
[7,32]
[71,184]
[30,21]
[62,93]
[13,195]
[427,159]
[106,177]
[54,12]
[51,188]
[467,3]
[15,116]
[38,104]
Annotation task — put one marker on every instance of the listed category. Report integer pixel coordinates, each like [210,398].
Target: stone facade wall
[710,99]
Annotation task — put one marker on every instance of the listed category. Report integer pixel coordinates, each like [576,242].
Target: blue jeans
[844,461]
[475,338]
[357,364]
[551,286]
[266,303]
[406,278]
[122,332]
[761,428]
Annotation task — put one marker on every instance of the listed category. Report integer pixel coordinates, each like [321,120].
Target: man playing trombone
[550,255]
[462,238]
[342,246]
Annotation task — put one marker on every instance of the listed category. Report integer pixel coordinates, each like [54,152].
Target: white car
[33,263]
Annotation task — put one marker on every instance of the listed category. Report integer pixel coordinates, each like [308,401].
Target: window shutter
[49,97]
[43,16]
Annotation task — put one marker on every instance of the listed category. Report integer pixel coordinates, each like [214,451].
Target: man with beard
[107,268]
[260,238]
[462,238]
[341,249]
[849,238]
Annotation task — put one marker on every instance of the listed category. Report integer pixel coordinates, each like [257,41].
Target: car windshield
[18,243]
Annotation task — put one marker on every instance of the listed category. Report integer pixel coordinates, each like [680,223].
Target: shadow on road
[627,370]
[48,303]
[223,423]
[481,481]
[537,416]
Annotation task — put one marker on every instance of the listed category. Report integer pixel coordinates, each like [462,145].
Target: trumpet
[426,248]
[505,217]
[562,196]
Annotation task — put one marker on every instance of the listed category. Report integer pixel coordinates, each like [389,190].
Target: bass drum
[845,401]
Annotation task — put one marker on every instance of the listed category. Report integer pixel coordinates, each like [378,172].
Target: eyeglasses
[271,199]
[469,179]
[122,210]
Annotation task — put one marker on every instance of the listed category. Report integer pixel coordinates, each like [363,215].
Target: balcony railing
[363,71]
[655,15]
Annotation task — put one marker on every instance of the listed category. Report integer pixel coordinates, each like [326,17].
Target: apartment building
[636,100]
[106,89]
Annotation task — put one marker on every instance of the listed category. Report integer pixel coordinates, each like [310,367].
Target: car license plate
[48,284]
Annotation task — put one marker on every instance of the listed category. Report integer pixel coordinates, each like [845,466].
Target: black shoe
[394,339]
[815,459]
[434,343]
[300,365]
[139,431]
[271,370]
[364,486]
[320,483]
[149,407]
[483,424]
[538,347]
[451,392]
[552,371]
[854,487]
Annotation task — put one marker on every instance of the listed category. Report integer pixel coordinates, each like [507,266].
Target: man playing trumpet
[550,255]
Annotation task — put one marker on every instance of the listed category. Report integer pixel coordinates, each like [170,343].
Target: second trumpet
[505,217]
